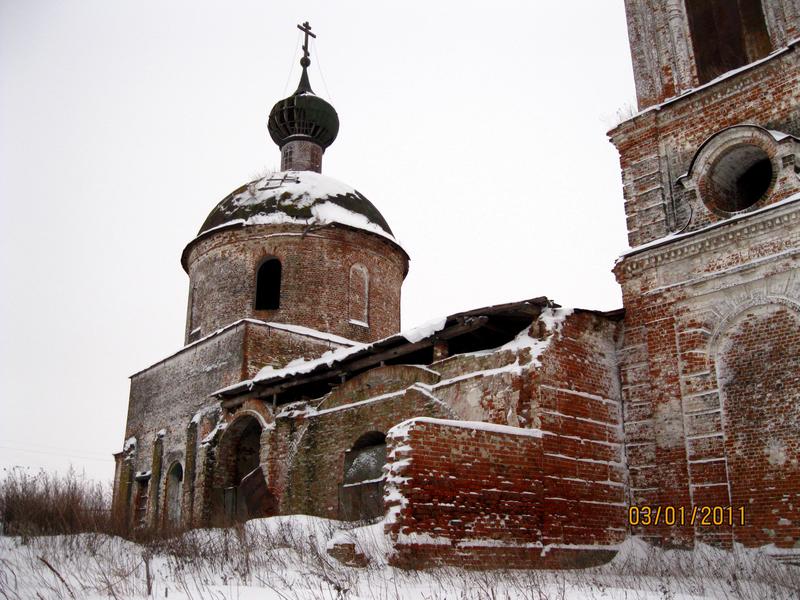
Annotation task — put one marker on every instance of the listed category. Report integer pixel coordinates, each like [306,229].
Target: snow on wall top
[401,430]
[298,329]
[552,318]
[298,197]
[670,237]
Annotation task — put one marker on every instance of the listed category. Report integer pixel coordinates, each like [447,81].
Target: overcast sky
[477,129]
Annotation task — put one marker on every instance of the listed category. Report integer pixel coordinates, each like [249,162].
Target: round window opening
[739,178]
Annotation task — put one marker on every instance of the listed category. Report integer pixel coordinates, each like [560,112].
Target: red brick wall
[714,300]
[657,146]
[314,281]
[579,413]
[758,371]
[471,494]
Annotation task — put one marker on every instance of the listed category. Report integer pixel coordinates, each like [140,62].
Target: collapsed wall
[490,495]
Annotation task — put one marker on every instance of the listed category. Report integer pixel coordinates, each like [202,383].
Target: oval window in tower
[268,285]
[738,178]
[740,168]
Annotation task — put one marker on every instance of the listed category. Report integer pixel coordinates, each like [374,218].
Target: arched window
[726,34]
[358,295]
[361,491]
[248,448]
[268,285]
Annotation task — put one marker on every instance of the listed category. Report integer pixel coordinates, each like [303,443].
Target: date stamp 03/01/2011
[703,516]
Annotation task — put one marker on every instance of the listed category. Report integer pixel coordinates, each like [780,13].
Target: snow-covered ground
[285,558]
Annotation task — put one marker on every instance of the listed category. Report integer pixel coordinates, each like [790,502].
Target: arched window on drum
[268,285]
[358,295]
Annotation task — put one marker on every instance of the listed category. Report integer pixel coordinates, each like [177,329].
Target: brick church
[524,434]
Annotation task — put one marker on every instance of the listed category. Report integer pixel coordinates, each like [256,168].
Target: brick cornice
[708,239]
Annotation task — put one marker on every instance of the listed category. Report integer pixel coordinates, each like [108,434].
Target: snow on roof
[325,213]
[297,197]
[552,317]
[307,331]
[301,365]
[298,329]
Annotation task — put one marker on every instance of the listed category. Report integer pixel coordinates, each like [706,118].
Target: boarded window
[358,295]
[268,285]
[726,34]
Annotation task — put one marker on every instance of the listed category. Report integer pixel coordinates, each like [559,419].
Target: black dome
[297,197]
[303,116]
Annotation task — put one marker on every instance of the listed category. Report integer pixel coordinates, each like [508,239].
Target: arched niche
[241,487]
[757,358]
[358,295]
[173,497]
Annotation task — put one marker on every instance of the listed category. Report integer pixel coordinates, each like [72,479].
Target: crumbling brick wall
[471,494]
[578,409]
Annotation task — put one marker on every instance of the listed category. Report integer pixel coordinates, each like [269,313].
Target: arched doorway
[361,491]
[174,493]
[244,493]
[758,359]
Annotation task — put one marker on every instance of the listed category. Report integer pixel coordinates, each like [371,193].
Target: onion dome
[303,116]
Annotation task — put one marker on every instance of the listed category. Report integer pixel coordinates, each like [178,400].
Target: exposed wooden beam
[466,325]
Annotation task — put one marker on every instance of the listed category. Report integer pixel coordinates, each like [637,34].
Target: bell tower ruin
[710,366]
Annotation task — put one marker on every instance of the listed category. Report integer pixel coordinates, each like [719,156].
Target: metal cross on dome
[306,29]
[277,180]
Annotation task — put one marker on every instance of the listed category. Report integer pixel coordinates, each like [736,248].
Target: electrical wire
[291,68]
[319,68]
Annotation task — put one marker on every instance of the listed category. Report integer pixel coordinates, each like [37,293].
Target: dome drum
[317,288]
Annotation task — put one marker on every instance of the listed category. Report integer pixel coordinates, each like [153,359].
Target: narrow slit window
[268,285]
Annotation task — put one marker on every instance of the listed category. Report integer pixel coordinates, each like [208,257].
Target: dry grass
[57,546]
[48,504]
